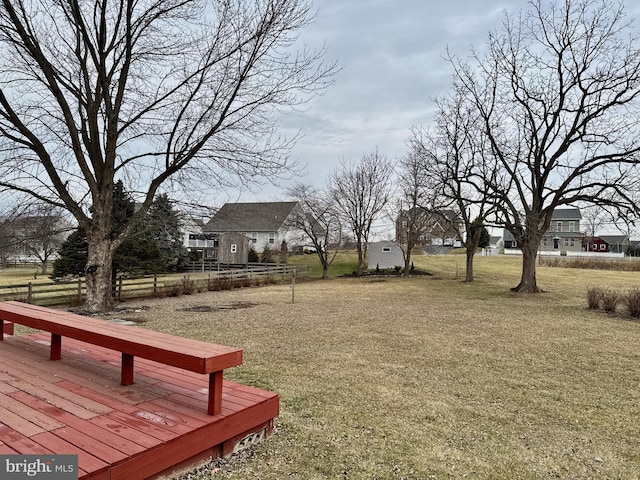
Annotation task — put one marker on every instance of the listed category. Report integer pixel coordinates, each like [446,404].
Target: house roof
[614,239]
[566,214]
[250,217]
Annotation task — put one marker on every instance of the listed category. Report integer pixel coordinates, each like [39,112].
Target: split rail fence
[73,292]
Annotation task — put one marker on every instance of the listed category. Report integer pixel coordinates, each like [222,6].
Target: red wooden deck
[77,406]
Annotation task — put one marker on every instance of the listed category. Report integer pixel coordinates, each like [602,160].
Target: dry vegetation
[429,377]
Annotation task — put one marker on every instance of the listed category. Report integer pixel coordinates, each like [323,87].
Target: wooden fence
[73,292]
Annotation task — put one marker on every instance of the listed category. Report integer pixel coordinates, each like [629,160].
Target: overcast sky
[391,53]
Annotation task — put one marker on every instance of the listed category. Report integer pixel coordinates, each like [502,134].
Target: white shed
[385,254]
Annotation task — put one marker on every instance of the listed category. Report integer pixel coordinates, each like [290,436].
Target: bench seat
[186,353]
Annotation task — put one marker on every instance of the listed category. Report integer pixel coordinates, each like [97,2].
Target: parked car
[309,249]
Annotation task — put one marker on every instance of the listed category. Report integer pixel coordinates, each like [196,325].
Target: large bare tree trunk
[100,255]
[528,282]
[98,276]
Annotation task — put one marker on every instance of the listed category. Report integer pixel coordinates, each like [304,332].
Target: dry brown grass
[430,377]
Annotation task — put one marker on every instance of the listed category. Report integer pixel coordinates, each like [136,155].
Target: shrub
[610,301]
[632,302]
[267,254]
[594,297]
[173,290]
[253,255]
[188,286]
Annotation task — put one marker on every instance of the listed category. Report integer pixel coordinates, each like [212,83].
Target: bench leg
[126,375]
[56,347]
[215,393]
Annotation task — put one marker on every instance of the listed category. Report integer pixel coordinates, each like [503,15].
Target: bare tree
[361,191]
[414,207]
[557,95]
[319,221]
[40,231]
[453,158]
[182,91]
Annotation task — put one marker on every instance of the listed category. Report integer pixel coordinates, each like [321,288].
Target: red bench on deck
[194,355]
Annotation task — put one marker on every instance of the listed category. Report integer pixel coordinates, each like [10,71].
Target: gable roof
[566,214]
[250,217]
[614,239]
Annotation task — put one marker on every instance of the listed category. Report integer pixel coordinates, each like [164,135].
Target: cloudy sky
[391,53]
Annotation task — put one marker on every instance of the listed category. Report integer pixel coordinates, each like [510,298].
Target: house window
[272,237]
[572,242]
[254,237]
[572,226]
[558,226]
[545,241]
[405,224]
[234,248]
[603,246]
[566,242]
[386,249]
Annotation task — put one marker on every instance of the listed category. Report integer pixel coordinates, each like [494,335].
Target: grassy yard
[429,377]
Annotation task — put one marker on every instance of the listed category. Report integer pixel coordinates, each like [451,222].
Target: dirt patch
[218,308]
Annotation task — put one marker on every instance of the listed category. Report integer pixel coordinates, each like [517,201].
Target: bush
[253,255]
[188,286]
[267,254]
[610,301]
[632,302]
[594,297]
[222,282]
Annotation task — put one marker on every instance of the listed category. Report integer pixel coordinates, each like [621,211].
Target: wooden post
[56,347]
[215,393]
[126,374]
[29,292]
[79,287]
[120,289]
[293,287]
[155,283]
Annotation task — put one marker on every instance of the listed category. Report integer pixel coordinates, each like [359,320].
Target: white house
[265,223]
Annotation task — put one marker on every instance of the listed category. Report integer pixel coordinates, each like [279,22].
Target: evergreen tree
[253,255]
[154,247]
[267,254]
[72,258]
[163,229]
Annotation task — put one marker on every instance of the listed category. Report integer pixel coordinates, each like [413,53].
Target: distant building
[609,244]
[563,234]
[428,227]
[384,254]
[230,248]
[264,223]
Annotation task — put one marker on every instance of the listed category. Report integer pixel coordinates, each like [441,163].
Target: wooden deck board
[76,405]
